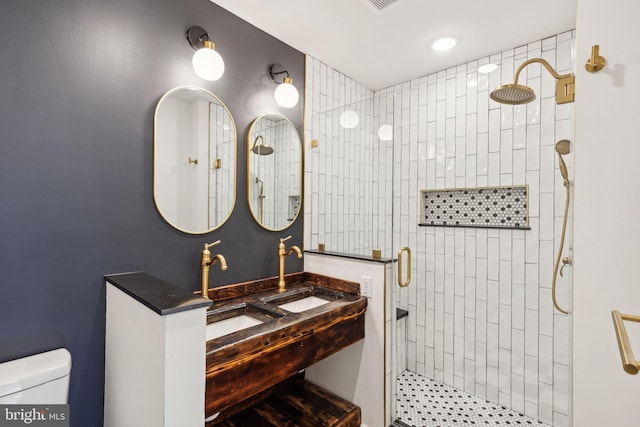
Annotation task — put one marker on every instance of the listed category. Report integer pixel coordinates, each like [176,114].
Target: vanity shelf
[295,402]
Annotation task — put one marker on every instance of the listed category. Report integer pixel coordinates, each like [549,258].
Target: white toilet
[39,379]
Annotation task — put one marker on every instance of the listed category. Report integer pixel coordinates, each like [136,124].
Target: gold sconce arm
[629,363]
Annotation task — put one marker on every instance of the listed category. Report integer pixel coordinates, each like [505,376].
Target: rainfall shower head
[516,94]
[513,94]
[261,149]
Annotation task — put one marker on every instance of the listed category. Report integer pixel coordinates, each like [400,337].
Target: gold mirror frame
[168,202]
[261,147]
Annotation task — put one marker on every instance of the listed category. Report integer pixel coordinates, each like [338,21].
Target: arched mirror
[194,162]
[274,171]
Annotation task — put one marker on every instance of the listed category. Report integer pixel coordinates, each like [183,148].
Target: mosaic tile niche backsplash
[499,207]
[480,312]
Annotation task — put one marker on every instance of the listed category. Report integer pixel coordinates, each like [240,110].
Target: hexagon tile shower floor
[423,402]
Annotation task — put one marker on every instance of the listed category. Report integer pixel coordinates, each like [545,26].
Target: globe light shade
[385,133]
[286,94]
[207,63]
[349,119]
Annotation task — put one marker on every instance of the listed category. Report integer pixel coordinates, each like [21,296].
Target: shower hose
[555,269]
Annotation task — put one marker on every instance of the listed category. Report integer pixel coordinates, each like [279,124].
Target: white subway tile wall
[481,317]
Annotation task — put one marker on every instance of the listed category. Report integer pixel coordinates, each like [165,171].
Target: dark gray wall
[79,82]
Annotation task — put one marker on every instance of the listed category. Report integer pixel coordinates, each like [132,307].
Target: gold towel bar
[629,363]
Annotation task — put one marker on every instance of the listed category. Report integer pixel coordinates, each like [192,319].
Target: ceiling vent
[380,6]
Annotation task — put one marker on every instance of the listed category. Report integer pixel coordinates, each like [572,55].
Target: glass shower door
[349,198]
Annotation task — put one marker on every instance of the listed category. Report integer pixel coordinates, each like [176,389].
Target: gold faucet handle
[208,245]
[284,239]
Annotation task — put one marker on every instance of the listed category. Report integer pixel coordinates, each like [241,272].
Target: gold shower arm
[541,61]
[565,85]
[255,141]
[629,364]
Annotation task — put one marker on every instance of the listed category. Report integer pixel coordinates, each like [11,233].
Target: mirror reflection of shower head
[563,147]
[261,149]
[516,94]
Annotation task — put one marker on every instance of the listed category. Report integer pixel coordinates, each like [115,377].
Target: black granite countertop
[160,296]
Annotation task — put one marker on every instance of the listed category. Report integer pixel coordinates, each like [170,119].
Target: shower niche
[486,207]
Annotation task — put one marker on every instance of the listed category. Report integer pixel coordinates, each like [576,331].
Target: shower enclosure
[480,312]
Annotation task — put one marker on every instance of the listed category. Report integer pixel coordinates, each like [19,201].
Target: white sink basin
[228,326]
[303,304]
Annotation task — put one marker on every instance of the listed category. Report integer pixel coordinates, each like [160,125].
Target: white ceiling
[380,49]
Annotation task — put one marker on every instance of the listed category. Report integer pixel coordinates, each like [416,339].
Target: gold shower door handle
[400,282]
[629,363]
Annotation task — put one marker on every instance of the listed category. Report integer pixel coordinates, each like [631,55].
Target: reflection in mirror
[274,171]
[194,176]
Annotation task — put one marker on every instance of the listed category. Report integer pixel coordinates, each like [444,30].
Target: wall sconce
[286,94]
[207,63]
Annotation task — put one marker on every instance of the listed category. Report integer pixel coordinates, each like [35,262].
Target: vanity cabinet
[251,361]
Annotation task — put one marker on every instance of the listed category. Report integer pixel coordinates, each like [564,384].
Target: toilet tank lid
[30,371]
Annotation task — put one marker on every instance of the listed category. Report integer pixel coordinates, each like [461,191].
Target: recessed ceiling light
[487,68]
[443,44]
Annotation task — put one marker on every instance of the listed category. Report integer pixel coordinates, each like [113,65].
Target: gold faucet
[282,254]
[206,262]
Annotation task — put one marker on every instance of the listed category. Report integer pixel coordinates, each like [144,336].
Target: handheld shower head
[563,147]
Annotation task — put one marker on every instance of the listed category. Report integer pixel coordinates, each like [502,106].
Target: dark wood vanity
[260,366]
